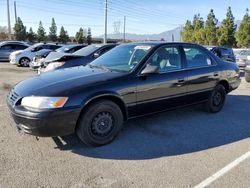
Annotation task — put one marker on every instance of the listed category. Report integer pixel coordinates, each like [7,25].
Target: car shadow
[177,132]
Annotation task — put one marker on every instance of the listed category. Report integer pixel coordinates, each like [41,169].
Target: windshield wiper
[100,67]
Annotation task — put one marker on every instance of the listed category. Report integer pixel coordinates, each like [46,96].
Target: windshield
[31,47]
[87,50]
[122,58]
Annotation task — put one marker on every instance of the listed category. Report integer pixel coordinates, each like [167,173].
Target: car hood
[56,56]
[63,82]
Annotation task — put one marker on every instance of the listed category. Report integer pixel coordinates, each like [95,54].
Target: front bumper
[56,122]
[13,60]
[34,65]
[234,84]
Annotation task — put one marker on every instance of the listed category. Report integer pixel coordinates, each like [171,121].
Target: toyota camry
[131,80]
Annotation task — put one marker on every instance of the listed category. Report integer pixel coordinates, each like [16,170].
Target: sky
[142,16]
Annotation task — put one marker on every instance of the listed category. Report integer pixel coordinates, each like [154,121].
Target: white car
[23,57]
[13,55]
[243,59]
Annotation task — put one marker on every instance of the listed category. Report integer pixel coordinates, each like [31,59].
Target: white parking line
[223,171]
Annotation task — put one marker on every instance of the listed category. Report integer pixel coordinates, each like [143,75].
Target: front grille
[13,97]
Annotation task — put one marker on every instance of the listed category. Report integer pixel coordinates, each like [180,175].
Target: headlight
[18,53]
[54,65]
[43,102]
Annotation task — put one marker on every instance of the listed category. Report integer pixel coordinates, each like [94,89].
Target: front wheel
[24,62]
[216,99]
[100,123]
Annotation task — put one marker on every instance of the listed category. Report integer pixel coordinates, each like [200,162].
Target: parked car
[23,58]
[226,54]
[244,58]
[42,54]
[39,58]
[247,73]
[70,48]
[129,81]
[7,47]
[83,56]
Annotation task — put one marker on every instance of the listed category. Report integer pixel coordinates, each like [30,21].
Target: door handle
[180,82]
[216,74]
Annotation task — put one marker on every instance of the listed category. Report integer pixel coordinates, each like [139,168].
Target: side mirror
[33,49]
[96,55]
[150,69]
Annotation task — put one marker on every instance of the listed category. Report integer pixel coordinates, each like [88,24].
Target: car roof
[14,42]
[106,44]
[159,43]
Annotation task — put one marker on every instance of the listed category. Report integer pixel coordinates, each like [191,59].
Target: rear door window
[19,47]
[6,47]
[195,57]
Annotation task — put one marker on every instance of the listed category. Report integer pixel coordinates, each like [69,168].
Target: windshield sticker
[142,47]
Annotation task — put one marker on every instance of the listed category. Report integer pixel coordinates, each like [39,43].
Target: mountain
[167,36]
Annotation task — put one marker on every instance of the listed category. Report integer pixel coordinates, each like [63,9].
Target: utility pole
[105,20]
[180,33]
[8,15]
[124,29]
[172,37]
[15,11]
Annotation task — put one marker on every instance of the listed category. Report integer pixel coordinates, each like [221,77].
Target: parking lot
[181,148]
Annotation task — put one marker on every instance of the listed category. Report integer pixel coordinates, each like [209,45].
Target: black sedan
[55,61]
[129,81]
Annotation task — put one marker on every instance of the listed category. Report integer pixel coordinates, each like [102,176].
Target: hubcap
[217,98]
[102,124]
[25,61]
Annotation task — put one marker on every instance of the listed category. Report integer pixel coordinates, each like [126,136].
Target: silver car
[243,59]
[7,47]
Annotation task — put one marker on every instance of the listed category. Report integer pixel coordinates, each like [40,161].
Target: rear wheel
[24,62]
[216,99]
[100,123]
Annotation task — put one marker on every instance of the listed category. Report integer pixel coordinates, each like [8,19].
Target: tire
[100,123]
[24,62]
[247,77]
[216,99]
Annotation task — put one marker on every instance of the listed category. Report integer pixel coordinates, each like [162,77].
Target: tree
[243,34]
[187,32]
[52,31]
[20,30]
[80,36]
[89,36]
[226,32]
[41,33]
[63,36]
[211,29]
[31,36]
[199,33]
